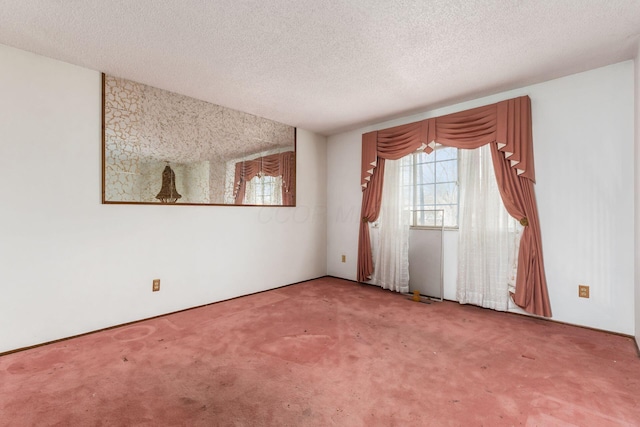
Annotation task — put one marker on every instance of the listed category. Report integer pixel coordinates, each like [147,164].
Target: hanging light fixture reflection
[168,192]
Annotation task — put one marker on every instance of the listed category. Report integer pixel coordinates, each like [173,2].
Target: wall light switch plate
[156,285]
[344,258]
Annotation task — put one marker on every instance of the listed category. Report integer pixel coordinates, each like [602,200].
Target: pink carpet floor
[327,352]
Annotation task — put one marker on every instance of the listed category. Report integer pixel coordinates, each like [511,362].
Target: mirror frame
[118,202]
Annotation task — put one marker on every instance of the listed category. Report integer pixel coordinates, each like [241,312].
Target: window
[264,190]
[430,184]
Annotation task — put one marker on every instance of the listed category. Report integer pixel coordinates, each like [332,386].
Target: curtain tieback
[365,219]
[524,222]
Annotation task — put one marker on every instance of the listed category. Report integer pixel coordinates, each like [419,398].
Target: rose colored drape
[505,125]
[279,164]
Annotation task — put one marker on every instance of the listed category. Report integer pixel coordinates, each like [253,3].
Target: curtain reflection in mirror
[252,173]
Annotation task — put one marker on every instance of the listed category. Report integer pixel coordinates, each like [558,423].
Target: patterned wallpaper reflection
[146,127]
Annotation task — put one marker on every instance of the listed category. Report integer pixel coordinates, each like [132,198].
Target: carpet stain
[39,361]
[17,368]
[560,412]
[301,349]
[132,333]
[227,379]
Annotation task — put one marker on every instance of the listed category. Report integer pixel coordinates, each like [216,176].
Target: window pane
[416,218]
[406,173]
[422,157]
[434,193]
[426,195]
[421,217]
[429,218]
[446,153]
[447,171]
[446,194]
[407,195]
[426,173]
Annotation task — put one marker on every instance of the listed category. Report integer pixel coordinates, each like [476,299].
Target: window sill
[425,227]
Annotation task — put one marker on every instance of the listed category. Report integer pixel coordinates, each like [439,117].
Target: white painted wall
[69,264]
[583,136]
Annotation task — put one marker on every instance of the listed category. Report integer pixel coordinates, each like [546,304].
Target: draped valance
[505,125]
[279,164]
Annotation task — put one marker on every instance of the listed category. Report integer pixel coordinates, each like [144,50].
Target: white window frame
[415,208]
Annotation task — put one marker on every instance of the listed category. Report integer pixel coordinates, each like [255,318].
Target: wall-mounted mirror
[160,147]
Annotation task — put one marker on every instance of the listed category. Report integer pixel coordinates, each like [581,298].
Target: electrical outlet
[156,285]
[344,258]
[583,291]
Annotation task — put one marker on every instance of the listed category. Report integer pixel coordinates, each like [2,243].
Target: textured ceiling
[328,66]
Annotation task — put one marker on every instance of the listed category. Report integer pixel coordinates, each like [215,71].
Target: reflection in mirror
[165,148]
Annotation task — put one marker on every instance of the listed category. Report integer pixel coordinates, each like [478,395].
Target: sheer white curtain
[264,190]
[391,247]
[488,236]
